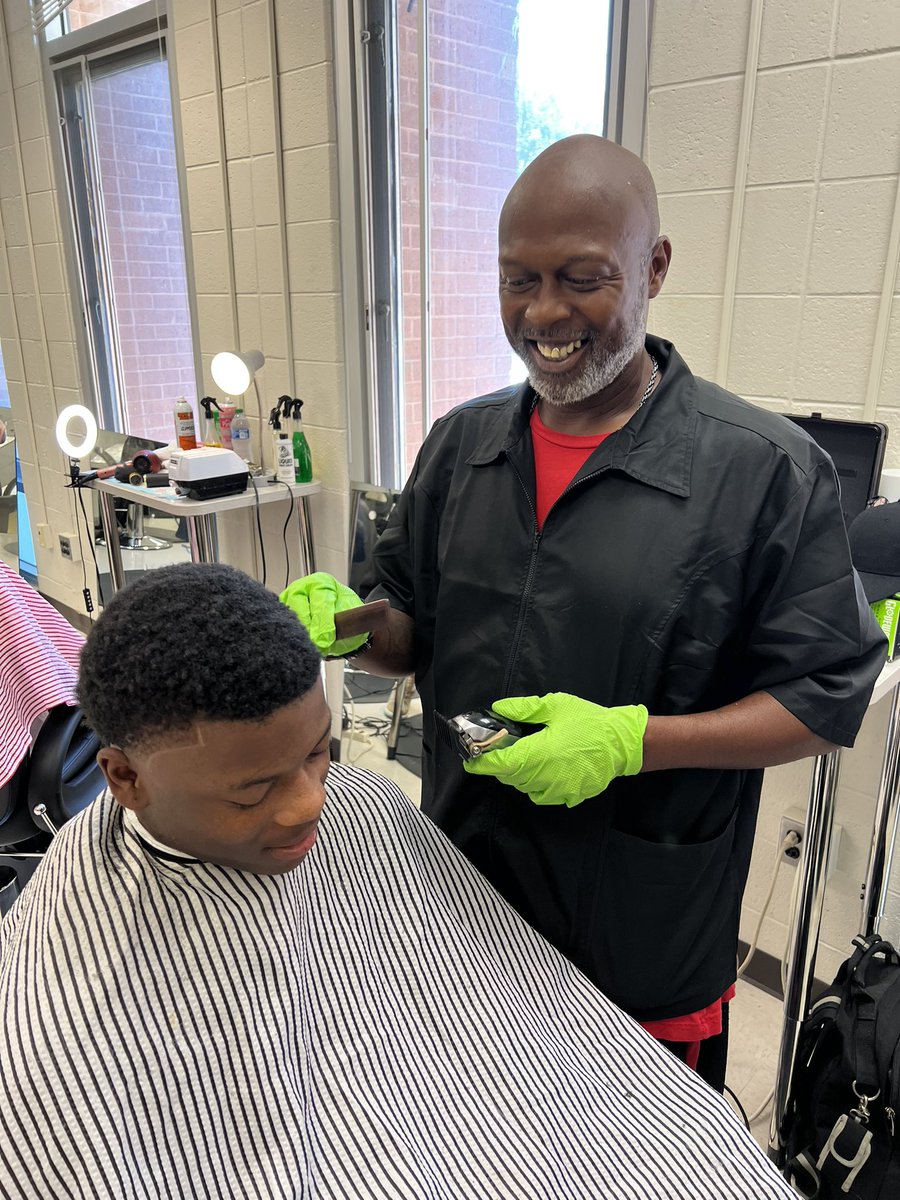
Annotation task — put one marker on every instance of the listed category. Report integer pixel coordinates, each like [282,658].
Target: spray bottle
[281,446]
[227,410]
[185,429]
[209,425]
[303,467]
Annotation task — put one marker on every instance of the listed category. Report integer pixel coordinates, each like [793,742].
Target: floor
[755,1015]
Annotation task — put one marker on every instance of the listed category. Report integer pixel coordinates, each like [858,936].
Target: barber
[648,566]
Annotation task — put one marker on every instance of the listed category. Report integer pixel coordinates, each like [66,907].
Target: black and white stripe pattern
[378,1023]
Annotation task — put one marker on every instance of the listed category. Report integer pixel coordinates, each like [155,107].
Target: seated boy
[231,978]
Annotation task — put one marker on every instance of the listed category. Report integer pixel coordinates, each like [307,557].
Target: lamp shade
[233,372]
[63,440]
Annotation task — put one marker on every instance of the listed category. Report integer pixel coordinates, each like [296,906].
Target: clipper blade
[473,733]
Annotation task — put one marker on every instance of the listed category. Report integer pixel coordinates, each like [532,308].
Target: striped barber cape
[38,665]
[377,1023]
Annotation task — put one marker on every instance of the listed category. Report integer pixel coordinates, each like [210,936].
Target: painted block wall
[254,116]
[258,135]
[36,318]
[774,137]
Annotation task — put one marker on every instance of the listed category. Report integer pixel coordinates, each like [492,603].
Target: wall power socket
[795,819]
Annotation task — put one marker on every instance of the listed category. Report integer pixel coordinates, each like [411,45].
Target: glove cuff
[634,750]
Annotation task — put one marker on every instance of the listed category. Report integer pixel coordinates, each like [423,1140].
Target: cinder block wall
[254,116]
[36,316]
[774,137]
[258,135]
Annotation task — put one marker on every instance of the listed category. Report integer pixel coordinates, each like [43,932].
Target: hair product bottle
[227,409]
[185,429]
[284,458]
[303,467]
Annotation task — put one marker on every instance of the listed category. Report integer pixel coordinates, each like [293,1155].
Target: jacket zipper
[532,566]
[529,580]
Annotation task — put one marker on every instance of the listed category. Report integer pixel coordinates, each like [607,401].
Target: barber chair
[56,780]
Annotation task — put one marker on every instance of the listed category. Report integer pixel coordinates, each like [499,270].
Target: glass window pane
[504,83]
[86,12]
[136,165]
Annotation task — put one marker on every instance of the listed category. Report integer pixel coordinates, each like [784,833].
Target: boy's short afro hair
[200,641]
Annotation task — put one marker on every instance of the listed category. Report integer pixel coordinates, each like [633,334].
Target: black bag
[841,1128]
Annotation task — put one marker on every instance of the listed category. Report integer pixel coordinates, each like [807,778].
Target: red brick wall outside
[473,166]
[86,12]
[136,152]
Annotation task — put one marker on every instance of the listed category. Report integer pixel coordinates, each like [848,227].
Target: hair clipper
[479,731]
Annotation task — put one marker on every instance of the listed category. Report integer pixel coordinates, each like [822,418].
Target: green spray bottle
[303,467]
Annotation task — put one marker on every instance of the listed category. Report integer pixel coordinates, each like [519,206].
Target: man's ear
[660,257]
[121,777]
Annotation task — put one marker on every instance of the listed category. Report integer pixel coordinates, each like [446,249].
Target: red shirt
[558,457]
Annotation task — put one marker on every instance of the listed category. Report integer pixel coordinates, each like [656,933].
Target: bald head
[584,173]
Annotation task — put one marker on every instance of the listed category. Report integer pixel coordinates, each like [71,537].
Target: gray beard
[601,365]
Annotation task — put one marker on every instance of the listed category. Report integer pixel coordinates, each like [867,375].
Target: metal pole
[111,537]
[425,213]
[203,538]
[307,547]
[805,934]
[887,812]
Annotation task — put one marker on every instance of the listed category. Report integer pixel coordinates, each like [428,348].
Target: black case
[857,450]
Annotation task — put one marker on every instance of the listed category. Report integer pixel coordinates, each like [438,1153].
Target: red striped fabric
[38,665]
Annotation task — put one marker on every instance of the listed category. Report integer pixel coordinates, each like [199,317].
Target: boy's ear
[121,777]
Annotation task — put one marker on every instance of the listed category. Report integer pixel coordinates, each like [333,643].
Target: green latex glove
[582,750]
[315,599]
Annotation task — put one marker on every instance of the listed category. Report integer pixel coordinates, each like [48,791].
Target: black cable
[262,548]
[89,530]
[741,1109]
[287,521]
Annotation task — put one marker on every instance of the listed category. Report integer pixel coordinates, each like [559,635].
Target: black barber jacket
[698,556]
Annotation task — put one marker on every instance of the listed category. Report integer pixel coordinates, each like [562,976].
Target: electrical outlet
[795,819]
[791,825]
[68,546]
[45,538]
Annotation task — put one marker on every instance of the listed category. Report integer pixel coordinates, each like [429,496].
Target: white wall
[255,119]
[36,327]
[774,137]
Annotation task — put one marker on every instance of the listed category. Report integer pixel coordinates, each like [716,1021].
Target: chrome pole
[884,830]
[111,537]
[203,538]
[801,961]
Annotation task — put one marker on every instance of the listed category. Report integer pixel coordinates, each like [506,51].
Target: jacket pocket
[665,922]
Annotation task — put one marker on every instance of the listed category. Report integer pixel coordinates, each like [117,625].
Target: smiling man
[652,569]
[232,976]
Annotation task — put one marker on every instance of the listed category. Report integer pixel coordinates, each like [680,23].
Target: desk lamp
[233,372]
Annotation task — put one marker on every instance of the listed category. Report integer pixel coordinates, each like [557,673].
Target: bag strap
[858,1015]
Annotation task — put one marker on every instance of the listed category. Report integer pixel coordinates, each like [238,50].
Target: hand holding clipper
[336,619]
[581,750]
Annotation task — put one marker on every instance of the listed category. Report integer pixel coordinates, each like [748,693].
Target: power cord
[88,599]
[790,840]
[287,520]
[740,1108]
[262,548]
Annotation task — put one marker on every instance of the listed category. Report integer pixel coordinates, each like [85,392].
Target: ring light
[65,418]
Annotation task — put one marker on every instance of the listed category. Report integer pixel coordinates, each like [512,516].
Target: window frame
[372,297]
[145,24]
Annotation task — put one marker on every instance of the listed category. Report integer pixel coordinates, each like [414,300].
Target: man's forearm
[754,732]
[391,651]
